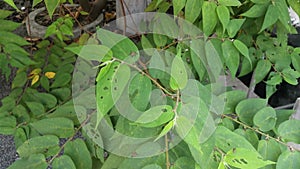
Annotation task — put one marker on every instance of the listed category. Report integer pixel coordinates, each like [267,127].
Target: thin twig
[257,131]
[167,152]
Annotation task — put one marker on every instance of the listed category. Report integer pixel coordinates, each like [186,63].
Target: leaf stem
[257,131]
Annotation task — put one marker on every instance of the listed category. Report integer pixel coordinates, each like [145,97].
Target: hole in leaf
[243,161]
[105,88]
[164,110]
[115,88]
[101,97]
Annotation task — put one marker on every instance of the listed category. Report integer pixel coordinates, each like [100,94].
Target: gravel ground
[7,147]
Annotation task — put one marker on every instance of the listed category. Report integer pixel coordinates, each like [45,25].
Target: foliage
[173,96]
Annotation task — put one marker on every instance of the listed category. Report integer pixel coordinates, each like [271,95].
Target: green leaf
[111,82]
[210,18]
[269,149]
[121,46]
[246,111]
[256,11]
[140,91]
[61,127]
[160,40]
[51,5]
[288,160]
[290,76]
[197,54]
[193,9]
[66,110]
[12,4]
[19,80]
[8,37]
[165,130]
[232,98]
[227,140]
[178,5]
[260,1]
[9,121]
[45,83]
[265,119]
[289,131]
[48,100]
[35,2]
[296,58]
[91,52]
[230,2]
[179,76]
[63,162]
[37,145]
[183,163]
[5,13]
[61,79]
[262,68]
[246,159]
[66,30]
[224,16]
[36,108]
[8,25]
[154,113]
[234,26]
[243,49]
[274,79]
[152,166]
[214,62]
[147,46]
[270,18]
[36,161]
[79,153]
[232,57]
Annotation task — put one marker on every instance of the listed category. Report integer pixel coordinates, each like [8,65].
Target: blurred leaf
[35,108]
[256,11]
[270,150]
[179,76]
[7,25]
[5,13]
[290,131]
[288,159]
[63,162]
[193,9]
[230,2]
[12,4]
[61,79]
[246,159]
[271,17]
[232,57]
[36,161]
[37,145]
[178,5]
[19,80]
[61,127]
[234,26]
[262,69]
[79,153]
[265,119]
[246,111]
[224,16]
[209,16]
[51,5]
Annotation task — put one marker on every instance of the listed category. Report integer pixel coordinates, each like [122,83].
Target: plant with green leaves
[157,102]
[92,8]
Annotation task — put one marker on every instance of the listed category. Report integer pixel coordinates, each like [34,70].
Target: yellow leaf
[34,72]
[50,75]
[35,79]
